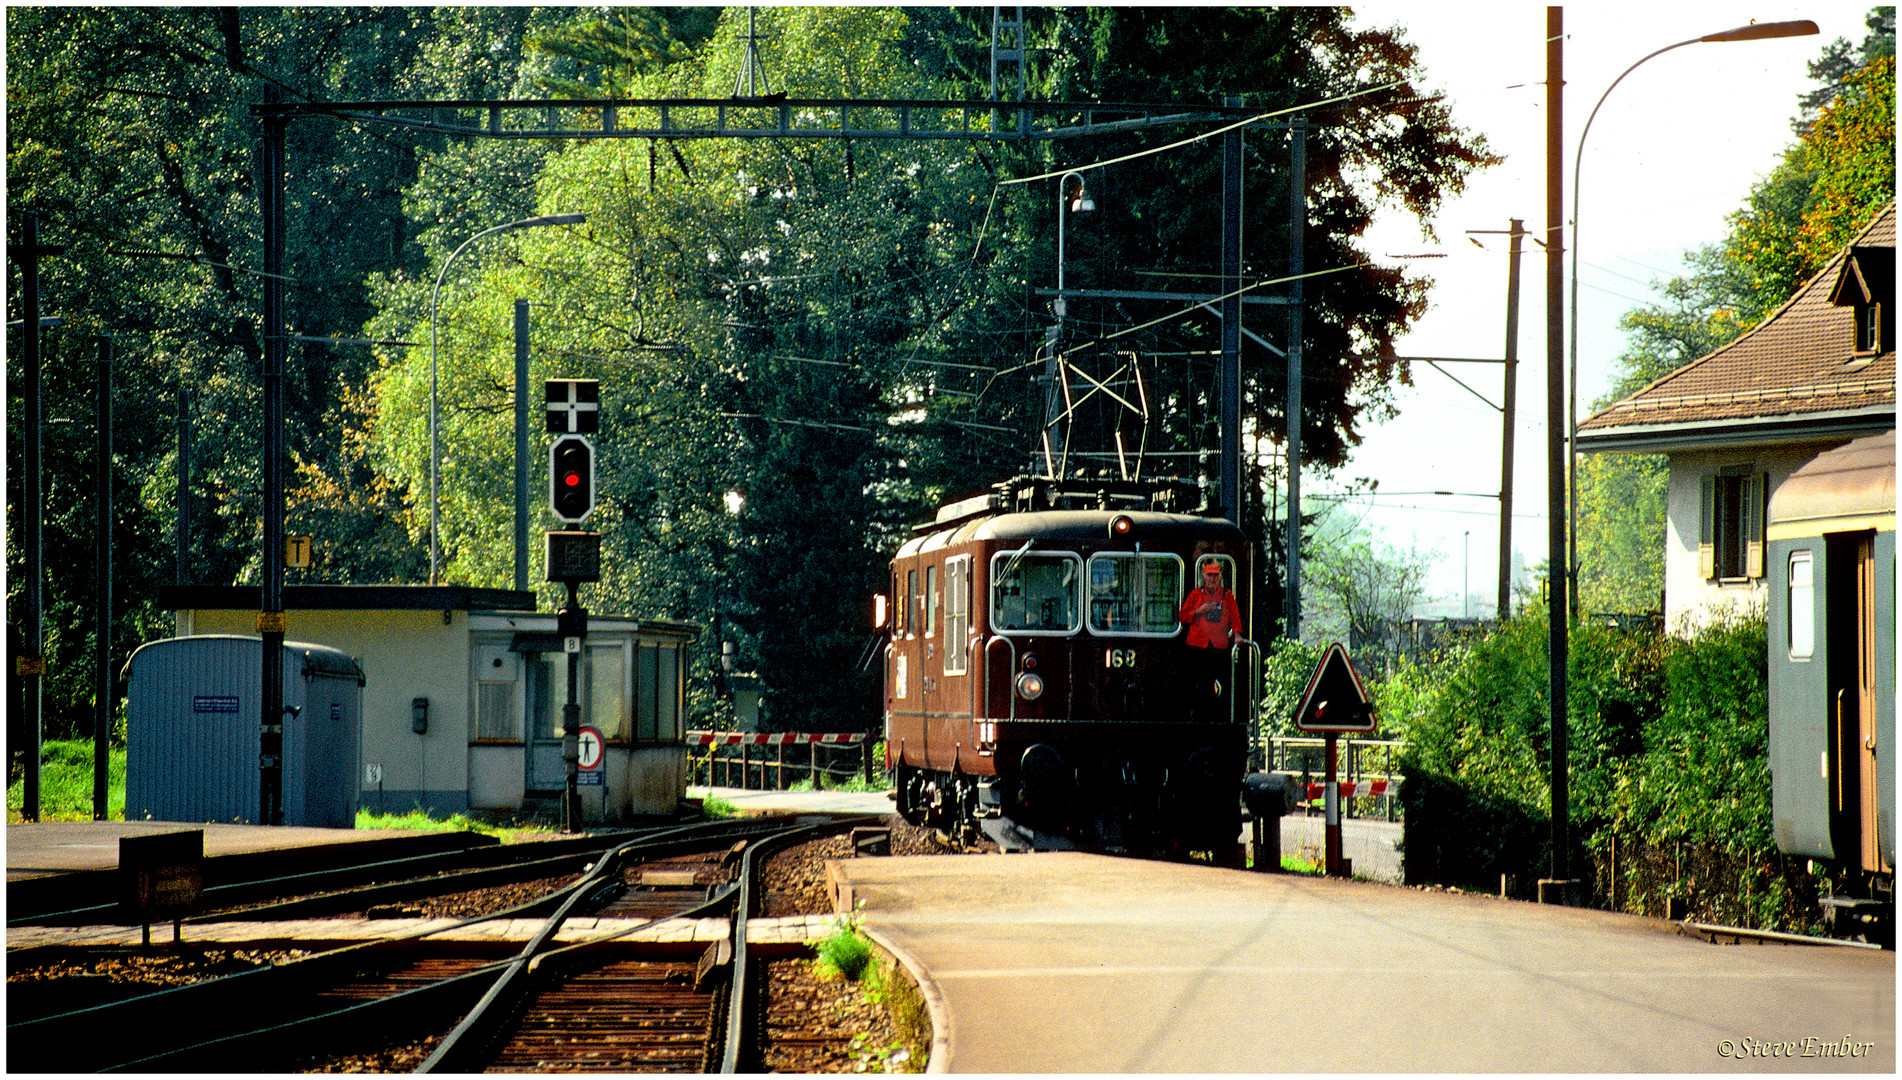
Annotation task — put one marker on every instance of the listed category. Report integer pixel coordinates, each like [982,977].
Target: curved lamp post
[1752,32]
[435,459]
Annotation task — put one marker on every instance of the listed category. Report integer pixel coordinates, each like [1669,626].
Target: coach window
[957,612]
[1135,595]
[1802,605]
[1036,593]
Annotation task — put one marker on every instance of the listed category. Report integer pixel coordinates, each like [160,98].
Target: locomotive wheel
[909,787]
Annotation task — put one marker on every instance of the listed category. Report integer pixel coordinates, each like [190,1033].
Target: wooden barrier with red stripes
[726,758]
[1356,789]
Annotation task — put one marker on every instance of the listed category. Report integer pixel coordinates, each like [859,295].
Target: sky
[1675,148]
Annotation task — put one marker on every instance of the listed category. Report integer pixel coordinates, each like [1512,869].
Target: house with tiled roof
[1816,373]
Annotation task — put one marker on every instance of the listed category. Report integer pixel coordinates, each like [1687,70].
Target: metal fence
[1356,760]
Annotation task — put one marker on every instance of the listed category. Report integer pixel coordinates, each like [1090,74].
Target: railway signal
[571,478]
[574,406]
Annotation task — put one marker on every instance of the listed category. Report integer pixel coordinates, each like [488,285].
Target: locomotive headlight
[1121,526]
[1030,686]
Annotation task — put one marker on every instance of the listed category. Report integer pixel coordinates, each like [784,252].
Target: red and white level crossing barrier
[1357,789]
[766,738]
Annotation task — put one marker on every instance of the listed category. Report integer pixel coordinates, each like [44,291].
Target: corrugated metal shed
[192,732]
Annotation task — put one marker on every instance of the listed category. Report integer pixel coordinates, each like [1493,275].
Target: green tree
[1826,188]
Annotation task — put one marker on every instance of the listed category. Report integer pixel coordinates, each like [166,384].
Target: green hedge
[1669,778]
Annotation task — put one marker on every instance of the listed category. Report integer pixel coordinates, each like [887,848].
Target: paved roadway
[1068,962]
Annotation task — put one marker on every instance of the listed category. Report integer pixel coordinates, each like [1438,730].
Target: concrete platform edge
[935,1007]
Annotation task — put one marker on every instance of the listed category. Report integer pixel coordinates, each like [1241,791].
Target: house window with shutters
[1730,533]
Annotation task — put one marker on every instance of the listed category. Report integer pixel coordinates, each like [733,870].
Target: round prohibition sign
[588,741]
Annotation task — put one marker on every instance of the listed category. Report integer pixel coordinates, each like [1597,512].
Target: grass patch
[421,819]
[711,807]
[66,783]
[846,953]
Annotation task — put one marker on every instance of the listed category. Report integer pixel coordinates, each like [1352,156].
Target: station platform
[39,849]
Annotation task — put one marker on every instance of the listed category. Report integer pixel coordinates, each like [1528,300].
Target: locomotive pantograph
[1037,683]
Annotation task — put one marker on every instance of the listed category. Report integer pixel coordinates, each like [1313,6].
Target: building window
[607,690]
[1730,520]
[495,711]
[1869,327]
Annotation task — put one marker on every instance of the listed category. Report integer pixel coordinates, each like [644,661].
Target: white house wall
[1690,601]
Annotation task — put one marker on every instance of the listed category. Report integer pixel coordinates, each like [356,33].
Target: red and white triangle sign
[1336,699]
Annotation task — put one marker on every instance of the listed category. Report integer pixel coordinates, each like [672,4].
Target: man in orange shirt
[1214,623]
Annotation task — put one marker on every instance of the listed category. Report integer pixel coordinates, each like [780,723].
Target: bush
[1478,763]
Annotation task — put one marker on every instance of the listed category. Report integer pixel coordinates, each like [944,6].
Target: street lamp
[435,459]
[1751,32]
[1065,206]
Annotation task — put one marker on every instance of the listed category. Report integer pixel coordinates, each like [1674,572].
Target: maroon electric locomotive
[1038,686]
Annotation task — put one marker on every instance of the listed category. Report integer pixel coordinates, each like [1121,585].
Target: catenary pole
[1555,432]
[1509,406]
[102,584]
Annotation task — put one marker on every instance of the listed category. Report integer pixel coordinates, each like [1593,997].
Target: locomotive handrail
[970,671]
[1254,682]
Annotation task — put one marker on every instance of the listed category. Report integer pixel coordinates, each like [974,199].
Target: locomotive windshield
[1035,593]
[1135,594]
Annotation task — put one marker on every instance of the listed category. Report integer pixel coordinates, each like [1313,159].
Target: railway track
[600,1004]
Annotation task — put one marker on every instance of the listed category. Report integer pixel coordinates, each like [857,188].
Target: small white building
[464,689]
[1735,424]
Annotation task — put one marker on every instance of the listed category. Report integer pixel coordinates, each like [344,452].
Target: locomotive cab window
[1135,594]
[1036,593]
[1228,570]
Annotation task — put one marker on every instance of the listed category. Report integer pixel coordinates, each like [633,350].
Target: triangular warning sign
[1335,699]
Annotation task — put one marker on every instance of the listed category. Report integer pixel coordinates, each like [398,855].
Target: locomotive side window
[1135,594]
[957,612]
[1035,593]
[914,622]
[1802,605]
[931,600]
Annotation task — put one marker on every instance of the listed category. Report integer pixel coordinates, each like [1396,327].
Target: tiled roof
[1799,360]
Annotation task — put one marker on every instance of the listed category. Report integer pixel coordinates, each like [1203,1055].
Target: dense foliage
[807,345]
[1669,791]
